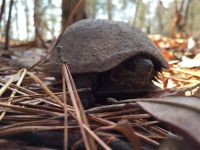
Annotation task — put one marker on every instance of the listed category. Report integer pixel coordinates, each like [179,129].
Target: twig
[29,110]
[14,92]
[114,107]
[137,116]
[96,138]
[46,88]
[65,111]
[77,111]
[12,131]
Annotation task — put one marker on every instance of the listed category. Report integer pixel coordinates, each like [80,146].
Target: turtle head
[136,72]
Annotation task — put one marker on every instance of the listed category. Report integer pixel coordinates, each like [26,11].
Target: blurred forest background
[38,21]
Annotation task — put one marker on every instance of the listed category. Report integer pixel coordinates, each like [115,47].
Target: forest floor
[35,113]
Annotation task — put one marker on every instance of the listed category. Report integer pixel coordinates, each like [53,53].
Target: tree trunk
[136,12]
[37,22]
[7,42]
[16,17]
[67,7]
[26,10]
[181,17]
[186,7]
[159,16]
[2,9]
[109,9]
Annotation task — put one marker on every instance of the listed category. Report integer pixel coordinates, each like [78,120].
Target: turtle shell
[92,45]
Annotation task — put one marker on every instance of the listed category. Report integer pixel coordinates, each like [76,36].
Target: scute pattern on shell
[98,45]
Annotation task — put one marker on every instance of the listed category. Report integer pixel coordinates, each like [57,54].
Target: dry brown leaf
[173,142]
[181,113]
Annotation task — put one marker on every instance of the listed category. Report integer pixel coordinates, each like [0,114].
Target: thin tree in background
[2,9]
[26,10]
[186,7]
[140,19]
[109,9]
[7,42]
[136,11]
[67,8]
[16,18]
[181,16]
[159,16]
[91,8]
[37,22]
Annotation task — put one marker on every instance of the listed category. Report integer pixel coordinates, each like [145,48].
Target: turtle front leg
[87,82]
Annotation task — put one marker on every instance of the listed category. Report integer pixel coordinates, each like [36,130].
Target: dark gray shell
[99,45]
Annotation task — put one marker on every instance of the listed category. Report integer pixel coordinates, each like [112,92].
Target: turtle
[112,58]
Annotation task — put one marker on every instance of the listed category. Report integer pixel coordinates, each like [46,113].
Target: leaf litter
[32,108]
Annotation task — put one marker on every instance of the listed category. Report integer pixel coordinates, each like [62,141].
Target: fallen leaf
[190,63]
[173,142]
[181,113]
